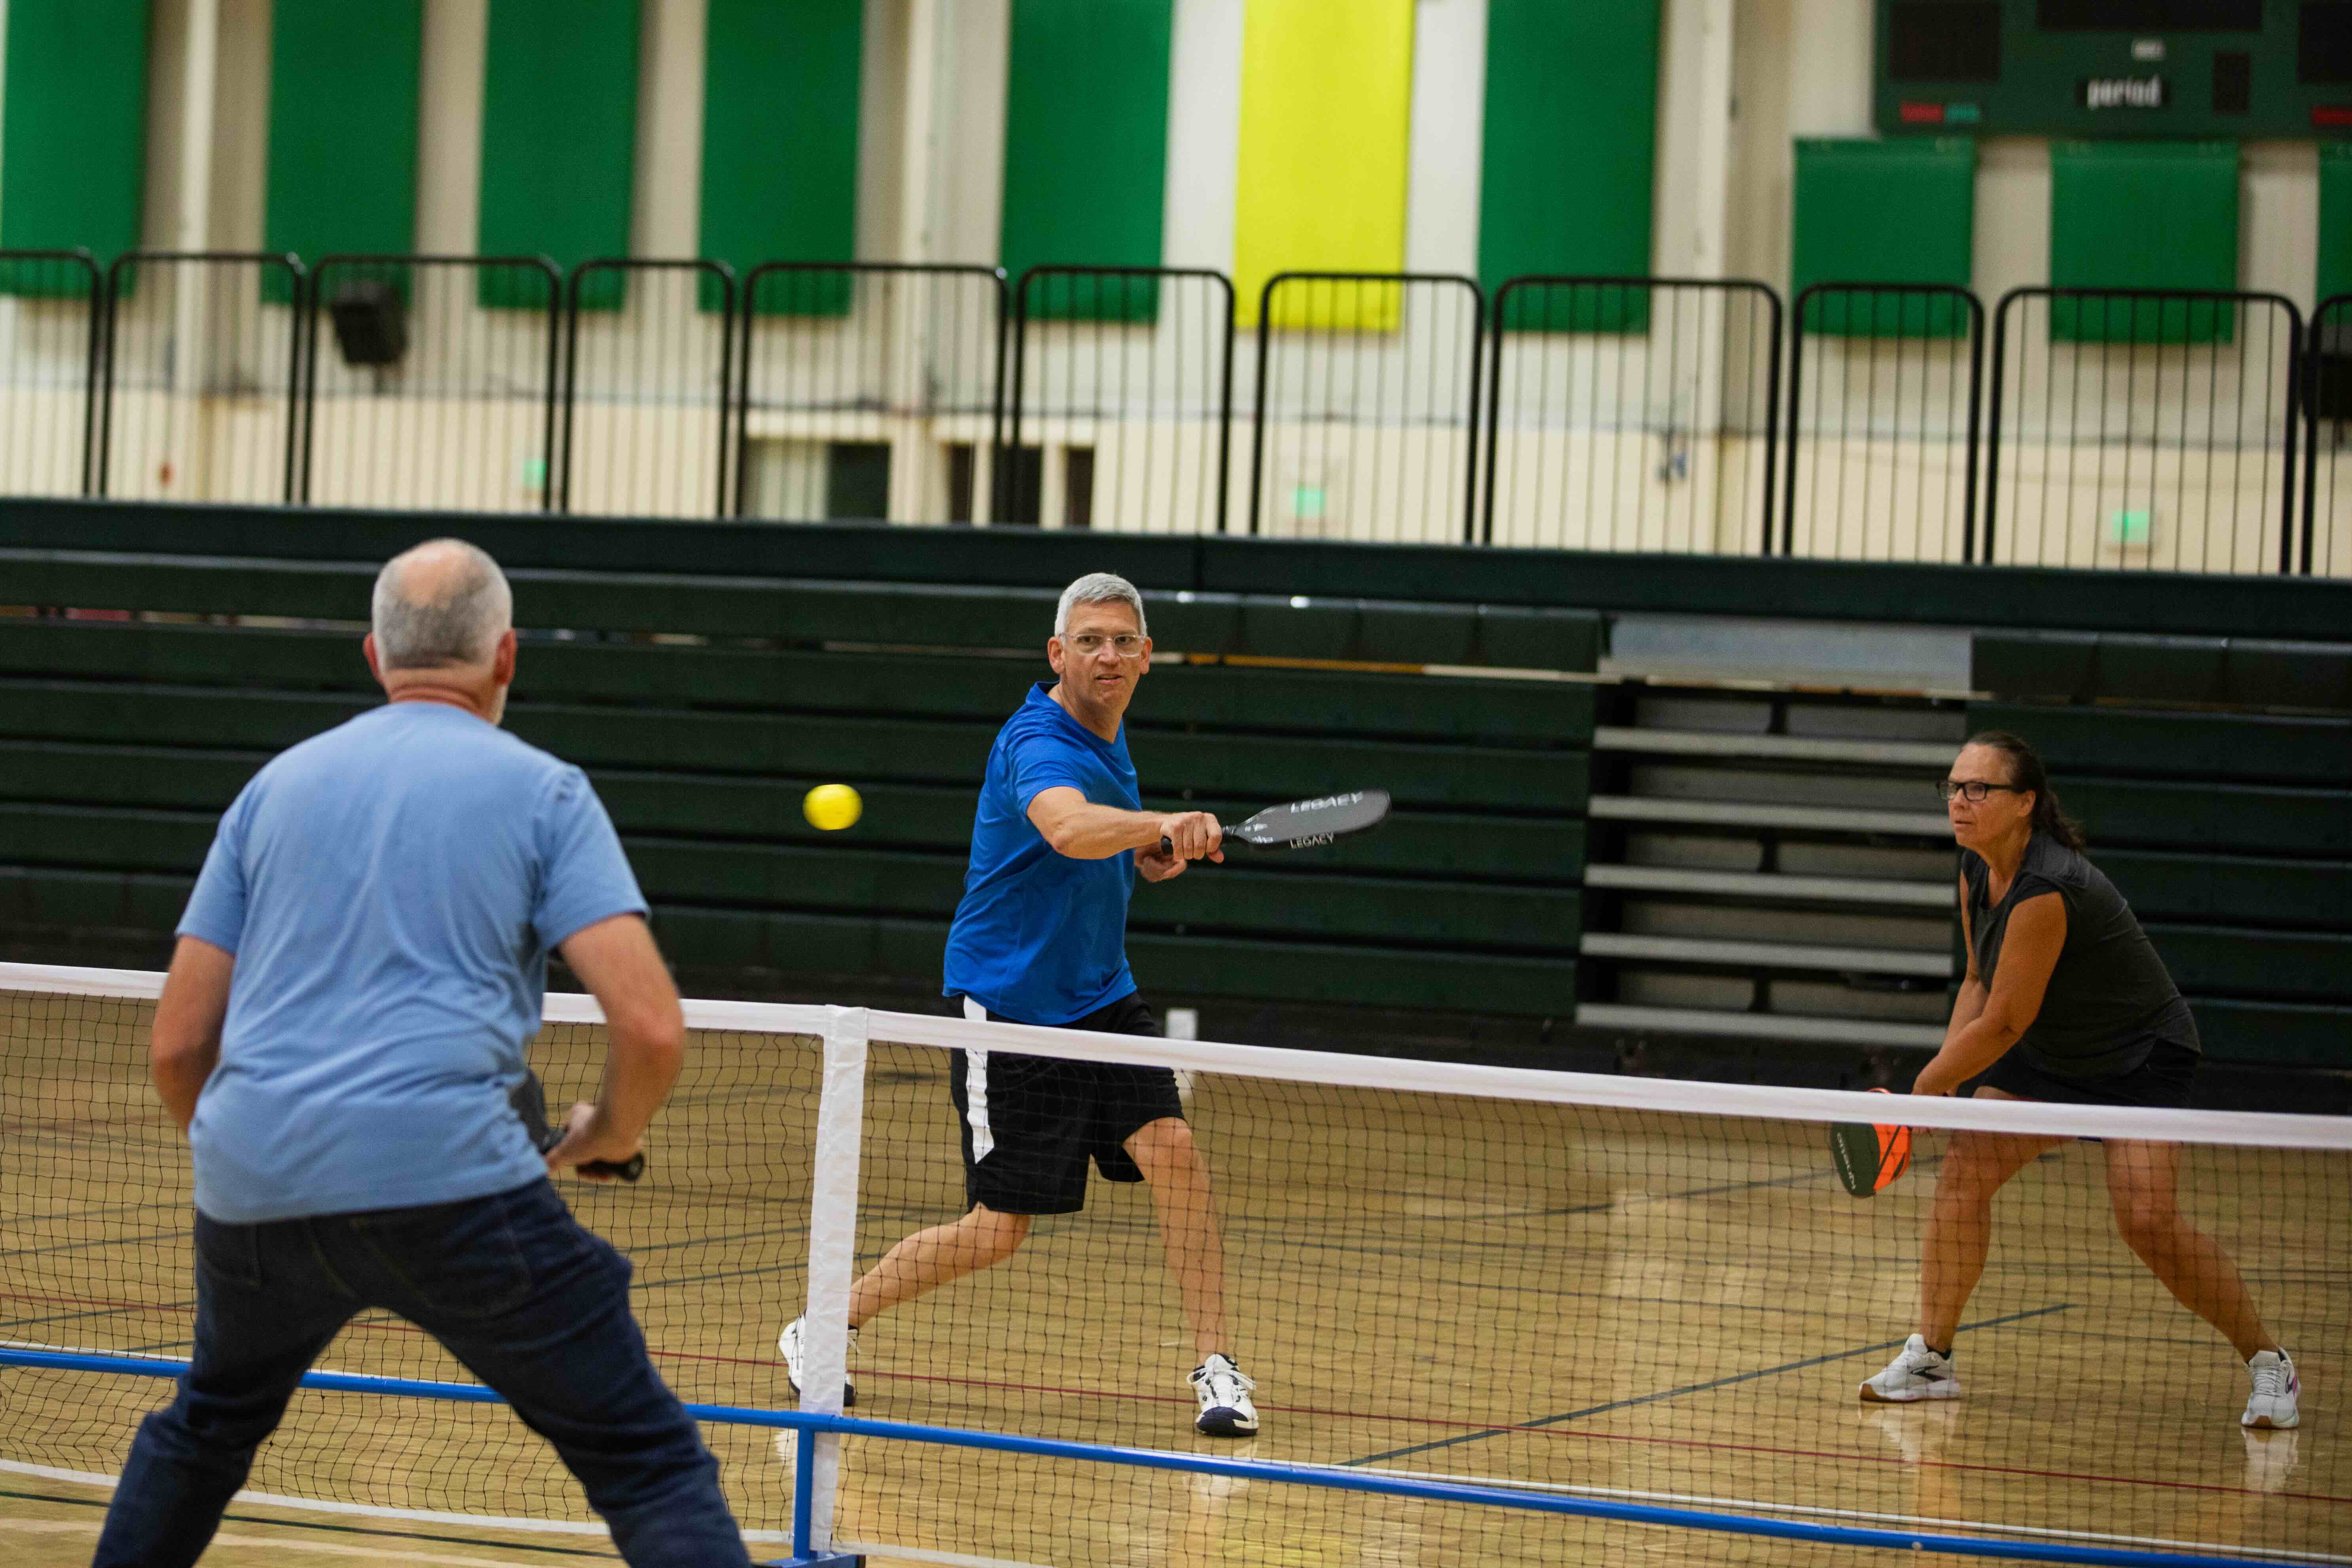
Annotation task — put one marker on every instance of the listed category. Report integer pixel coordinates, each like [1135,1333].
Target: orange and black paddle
[1869,1155]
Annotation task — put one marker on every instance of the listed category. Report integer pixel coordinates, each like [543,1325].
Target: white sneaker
[2272,1405]
[1224,1393]
[788,1341]
[1917,1373]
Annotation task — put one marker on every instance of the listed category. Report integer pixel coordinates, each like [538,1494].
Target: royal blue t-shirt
[391,890]
[1040,938]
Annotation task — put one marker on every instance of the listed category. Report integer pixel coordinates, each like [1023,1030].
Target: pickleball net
[1649,1301]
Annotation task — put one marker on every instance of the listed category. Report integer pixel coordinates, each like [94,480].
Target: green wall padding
[342,128]
[780,143]
[1883,212]
[2336,222]
[1086,148]
[559,141]
[1570,122]
[2143,214]
[73,133]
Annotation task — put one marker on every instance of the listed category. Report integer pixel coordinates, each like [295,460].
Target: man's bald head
[441,603]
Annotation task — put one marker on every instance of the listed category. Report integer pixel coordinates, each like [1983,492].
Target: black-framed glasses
[1974,789]
[1128,644]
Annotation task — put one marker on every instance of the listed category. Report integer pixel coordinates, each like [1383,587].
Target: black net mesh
[1654,1308]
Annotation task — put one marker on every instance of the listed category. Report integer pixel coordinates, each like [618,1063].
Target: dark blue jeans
[532,1303]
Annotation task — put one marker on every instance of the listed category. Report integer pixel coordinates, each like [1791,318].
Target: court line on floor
[1488,1428]
[1474,1429]
[274,1543]
[364,1510]
[178,1233]
[1688,1388]
[80,1212]
[1766,1505]
[344,1528]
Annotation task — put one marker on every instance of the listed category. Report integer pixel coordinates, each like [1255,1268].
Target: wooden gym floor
[1638,1308]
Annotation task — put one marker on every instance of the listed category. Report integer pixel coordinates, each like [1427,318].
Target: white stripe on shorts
[975,1088]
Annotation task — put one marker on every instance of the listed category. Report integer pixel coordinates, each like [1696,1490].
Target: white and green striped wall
[1488,137]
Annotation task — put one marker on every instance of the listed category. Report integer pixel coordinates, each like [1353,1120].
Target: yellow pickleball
[832,807]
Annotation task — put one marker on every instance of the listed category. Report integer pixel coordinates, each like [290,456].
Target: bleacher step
[1767,954]
[1739,814]
[1759,1026]
[1938,895]
[1791,748]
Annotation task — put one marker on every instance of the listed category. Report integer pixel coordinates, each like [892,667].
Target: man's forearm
[184,1044]
[1092,832]
[180,1077]
[638,1075]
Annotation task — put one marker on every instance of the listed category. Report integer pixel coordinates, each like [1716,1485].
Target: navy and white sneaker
[1224,1394]
[788,1341]
[1917,1373]
[2272,1405]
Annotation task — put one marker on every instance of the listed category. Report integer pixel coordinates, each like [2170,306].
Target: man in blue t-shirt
[1040,938]
[358,967]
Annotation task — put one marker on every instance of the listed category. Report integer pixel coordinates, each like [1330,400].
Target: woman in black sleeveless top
[2065,999]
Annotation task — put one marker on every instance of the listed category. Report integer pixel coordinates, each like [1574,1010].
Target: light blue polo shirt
[1040,937]
[391,890]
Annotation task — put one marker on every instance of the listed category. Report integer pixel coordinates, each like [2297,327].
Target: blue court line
[1336,1477]
[1688,1388]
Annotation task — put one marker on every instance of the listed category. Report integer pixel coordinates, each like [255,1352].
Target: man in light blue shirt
[359,965]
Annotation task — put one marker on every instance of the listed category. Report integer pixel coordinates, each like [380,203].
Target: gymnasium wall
[923,141]
[705,704]
[706,675]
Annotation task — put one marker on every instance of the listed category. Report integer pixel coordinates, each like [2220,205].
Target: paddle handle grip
[627,1169]
[1167,846]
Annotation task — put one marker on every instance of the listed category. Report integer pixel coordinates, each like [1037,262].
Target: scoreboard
[2204,68]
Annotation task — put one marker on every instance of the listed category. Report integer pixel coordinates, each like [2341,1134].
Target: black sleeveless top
[2109,998]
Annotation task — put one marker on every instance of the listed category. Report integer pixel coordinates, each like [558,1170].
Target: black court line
[26,1220]
[344,1528]
[780,1232]
[1688,1388]
[127,1309]
[644,1286]
[1275,1227]
[174,1234]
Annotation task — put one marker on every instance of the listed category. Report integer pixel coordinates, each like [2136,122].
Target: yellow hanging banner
[1325,129]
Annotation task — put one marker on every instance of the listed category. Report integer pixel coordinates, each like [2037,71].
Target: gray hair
[425,618]
[1099,588]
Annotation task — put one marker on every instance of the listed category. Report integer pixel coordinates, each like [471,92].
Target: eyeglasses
[1129,644]
[1975,789]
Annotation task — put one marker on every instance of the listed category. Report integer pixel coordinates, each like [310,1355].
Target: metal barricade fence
[2143,429]
[1884,396]
[431,383]
[647,372]
[867,390]
[1632,413]
[1119,409]
[1365,424]
[2326,546]
[51,315]
[200,374]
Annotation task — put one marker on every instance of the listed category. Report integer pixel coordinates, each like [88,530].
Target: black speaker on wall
[2331,372]
[371,318]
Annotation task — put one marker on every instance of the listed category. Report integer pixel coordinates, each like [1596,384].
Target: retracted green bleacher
[2214,778]
[119,743]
